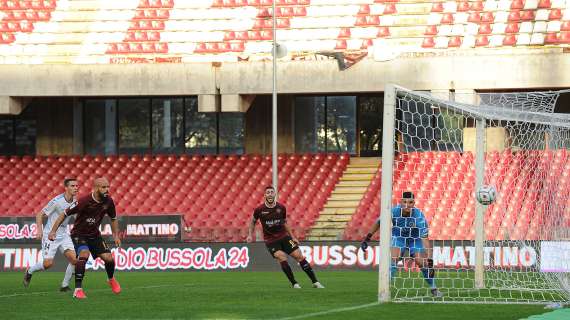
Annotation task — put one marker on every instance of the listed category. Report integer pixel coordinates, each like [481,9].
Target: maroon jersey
[89,214]
[272,220]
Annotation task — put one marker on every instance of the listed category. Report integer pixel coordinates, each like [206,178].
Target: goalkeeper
[409,232]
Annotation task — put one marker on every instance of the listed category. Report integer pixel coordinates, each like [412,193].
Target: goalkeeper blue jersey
[414,226]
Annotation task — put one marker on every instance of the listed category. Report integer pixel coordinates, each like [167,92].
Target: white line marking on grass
[323,313]
[24,294]
[94,290]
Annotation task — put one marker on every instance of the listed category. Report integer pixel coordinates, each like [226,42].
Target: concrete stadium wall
[542,69]
[490,70]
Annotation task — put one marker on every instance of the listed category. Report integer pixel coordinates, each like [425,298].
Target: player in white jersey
[62,241]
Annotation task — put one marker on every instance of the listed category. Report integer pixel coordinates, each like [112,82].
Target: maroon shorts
[285,244]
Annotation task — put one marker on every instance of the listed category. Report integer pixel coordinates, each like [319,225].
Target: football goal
[515,250]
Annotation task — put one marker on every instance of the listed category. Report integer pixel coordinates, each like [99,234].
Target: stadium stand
[20,17]
[443,182]
[96,31]
[209,189]
[216,194]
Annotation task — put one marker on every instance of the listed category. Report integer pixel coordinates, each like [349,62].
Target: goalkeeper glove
[364,244]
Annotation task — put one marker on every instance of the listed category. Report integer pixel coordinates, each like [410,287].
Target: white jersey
[52,210]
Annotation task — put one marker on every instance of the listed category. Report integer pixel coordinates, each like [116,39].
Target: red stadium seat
[437,7]
[202,188]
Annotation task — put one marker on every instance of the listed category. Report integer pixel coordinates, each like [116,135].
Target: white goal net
[441,151]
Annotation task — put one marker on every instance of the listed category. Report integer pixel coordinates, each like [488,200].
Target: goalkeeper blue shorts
[412,244]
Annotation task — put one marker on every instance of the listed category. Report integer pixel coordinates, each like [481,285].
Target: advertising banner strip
[134,229]
[555,256]
[456,255]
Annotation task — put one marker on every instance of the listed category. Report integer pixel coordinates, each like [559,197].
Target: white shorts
[49,248]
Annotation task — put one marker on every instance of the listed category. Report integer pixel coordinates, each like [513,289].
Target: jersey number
[46,246]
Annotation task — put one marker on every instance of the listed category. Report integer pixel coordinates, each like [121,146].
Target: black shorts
[96,245]
[286,245]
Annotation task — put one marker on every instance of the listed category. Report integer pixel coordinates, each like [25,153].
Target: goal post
[479,209]
[388,135]
[517,250]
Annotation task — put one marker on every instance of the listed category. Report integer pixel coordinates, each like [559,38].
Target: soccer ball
[486,195]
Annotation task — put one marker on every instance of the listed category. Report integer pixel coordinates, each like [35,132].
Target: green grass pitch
[227,295]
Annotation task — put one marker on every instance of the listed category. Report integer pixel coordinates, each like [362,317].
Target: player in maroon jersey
[278,237]
[89,211]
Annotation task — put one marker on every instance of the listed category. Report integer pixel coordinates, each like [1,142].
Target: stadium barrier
[342,255]
[134,229]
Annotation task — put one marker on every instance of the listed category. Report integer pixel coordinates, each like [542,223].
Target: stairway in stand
[344,199]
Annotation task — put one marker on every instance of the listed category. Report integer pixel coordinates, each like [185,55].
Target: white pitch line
[24,294]
[323,313]
[93,290]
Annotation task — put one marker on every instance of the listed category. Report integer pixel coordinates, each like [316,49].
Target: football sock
[428,273]
[429,280]
[288,272]
[79,271]
[110,268]
[68,273]
[36,267]
[308,270]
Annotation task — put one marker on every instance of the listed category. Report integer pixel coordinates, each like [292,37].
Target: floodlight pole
[274,103]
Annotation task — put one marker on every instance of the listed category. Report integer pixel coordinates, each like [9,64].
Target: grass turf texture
[227,295]
[459,286]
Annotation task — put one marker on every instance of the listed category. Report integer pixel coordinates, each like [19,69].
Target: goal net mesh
[527,246]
